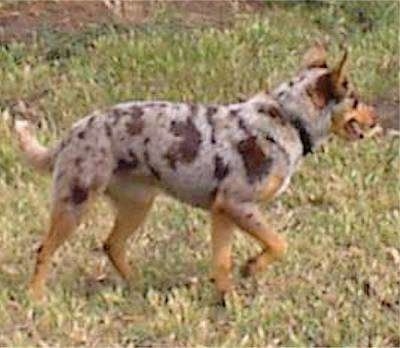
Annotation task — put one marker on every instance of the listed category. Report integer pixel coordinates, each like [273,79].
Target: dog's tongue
[354,130]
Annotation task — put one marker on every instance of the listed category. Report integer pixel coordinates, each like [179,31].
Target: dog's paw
[36,294]
[221,300]
[249,268]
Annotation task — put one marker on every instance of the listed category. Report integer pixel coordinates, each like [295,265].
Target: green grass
[338,285]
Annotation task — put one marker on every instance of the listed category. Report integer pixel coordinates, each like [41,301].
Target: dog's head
[331,86]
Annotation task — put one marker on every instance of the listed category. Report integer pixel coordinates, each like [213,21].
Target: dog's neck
[312,123]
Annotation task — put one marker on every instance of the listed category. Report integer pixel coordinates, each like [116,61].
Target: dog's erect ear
[315,57]
[338,73]
[322,91]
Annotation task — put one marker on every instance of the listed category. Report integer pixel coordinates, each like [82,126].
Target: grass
[338,285]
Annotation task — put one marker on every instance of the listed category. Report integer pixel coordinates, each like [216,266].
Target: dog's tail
[38,156]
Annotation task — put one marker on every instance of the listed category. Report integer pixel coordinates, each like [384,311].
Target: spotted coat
[193,151]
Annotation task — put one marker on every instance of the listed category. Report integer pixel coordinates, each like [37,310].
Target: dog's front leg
[221,238]
[130,216]
[248,217]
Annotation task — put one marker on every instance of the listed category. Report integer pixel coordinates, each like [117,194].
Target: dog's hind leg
[248,217]
[71,195]
[63,221]
[221,238]
[131,212]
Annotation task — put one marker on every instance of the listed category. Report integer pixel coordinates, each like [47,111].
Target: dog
[227,159]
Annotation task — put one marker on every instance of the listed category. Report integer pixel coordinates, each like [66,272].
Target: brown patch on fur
[193,109]
[171,155]
[322,91]
[78,194]
[185,150]
[213,194]
[221,169]
[135,111]
[134,126]
[242,125]
[81,134]
[146,156]
[62,145]
[124,164]
[233,113]
[281,94]
[116,115]
[90,121]
[156,104]
[59,176]
[211,110]
[263,109]
[273,112]
[78,161]
[255,162]
[154,171]
[108,130]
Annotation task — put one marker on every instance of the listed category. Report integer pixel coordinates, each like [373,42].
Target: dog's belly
[121,188]
[190,185]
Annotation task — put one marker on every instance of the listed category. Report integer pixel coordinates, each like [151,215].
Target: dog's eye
[345,84]
[355,103]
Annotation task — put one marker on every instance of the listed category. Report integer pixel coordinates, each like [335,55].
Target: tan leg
[221,238]
[63,222]
[129,217]
[249,218]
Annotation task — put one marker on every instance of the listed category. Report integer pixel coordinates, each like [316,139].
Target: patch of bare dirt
[20,21]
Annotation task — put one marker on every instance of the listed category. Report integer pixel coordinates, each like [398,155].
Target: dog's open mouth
[353,130]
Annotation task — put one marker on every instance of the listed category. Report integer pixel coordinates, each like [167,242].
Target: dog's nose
[374,121]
